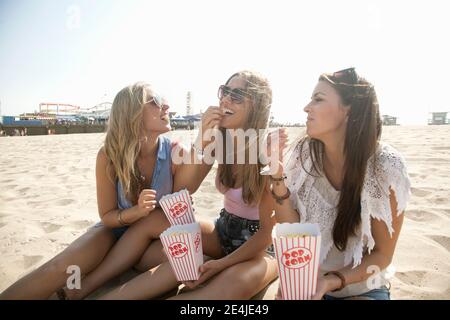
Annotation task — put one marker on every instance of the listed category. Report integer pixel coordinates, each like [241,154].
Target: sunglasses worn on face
[237,95]
[158,101]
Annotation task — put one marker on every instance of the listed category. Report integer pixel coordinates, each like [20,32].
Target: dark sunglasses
[237,95]
[346,76]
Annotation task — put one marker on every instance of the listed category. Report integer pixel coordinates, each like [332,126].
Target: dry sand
[47,199]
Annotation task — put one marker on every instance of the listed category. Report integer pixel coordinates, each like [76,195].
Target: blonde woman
[239,241]
[133,171]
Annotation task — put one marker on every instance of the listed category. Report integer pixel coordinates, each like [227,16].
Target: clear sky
[83,51]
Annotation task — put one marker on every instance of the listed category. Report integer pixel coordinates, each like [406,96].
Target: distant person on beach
[342,177]
[239,240]
[133,171]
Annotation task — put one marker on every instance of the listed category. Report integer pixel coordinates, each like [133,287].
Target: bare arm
[252,248]
[380,257]
[284,211]
[189,175]
[194,168]
[260,240]
[107,196]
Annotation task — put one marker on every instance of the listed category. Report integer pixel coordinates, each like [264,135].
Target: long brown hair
[258,117]
[362,135]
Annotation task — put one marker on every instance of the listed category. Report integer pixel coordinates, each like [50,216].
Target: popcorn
[297,249]
[298,235]
[183,247]
[178,207]
[174,234]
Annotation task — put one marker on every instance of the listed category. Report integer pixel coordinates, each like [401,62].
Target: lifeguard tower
[389,120]
[438,118]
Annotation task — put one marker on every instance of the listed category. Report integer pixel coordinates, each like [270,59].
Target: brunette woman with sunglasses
[356,188]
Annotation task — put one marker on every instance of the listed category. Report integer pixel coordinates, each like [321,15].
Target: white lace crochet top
[316,201]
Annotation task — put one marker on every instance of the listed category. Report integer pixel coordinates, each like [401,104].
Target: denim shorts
[382,293]
[233,231]
[117,232]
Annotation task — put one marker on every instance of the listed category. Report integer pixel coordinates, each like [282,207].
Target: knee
[240,287]
[151,226]
[245,287]
[140,229]
[146,263]
[57,265]
[141,266]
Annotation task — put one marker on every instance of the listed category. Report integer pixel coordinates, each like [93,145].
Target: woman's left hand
[324,285]
[277,142]
[207,270]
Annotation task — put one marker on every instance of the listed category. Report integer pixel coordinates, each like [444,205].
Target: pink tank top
[233,202]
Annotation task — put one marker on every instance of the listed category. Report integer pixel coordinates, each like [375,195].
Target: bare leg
[210,240]
[153,256]
[86,252]
[161,279]
[238,282]
[126,253]
[147,285]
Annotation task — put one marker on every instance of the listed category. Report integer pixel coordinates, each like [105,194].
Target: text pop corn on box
[297,249]
[178,207]
[183,247]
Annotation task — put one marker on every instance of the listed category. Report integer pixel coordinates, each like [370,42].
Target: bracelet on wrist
[119,218]
[278,180]
[279,199]
[340,276]
[283,177]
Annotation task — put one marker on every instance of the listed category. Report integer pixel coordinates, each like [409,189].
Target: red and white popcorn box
[297,249]
[183,247]
[178,207]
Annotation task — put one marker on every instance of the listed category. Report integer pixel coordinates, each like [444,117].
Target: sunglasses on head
[347,76]
[237,95]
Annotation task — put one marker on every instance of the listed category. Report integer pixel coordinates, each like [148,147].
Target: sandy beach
[48,199]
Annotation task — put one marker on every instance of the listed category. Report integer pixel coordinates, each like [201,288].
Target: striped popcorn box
[183,247]
[178,207]
[297,249]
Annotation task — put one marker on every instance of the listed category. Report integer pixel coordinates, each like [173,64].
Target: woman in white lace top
[356,188]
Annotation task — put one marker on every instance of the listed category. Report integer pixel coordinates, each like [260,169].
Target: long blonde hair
[122,142]
[253,183]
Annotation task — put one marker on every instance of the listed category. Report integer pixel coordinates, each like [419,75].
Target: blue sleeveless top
[162,179]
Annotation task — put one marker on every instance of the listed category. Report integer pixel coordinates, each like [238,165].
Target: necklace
[140,176]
